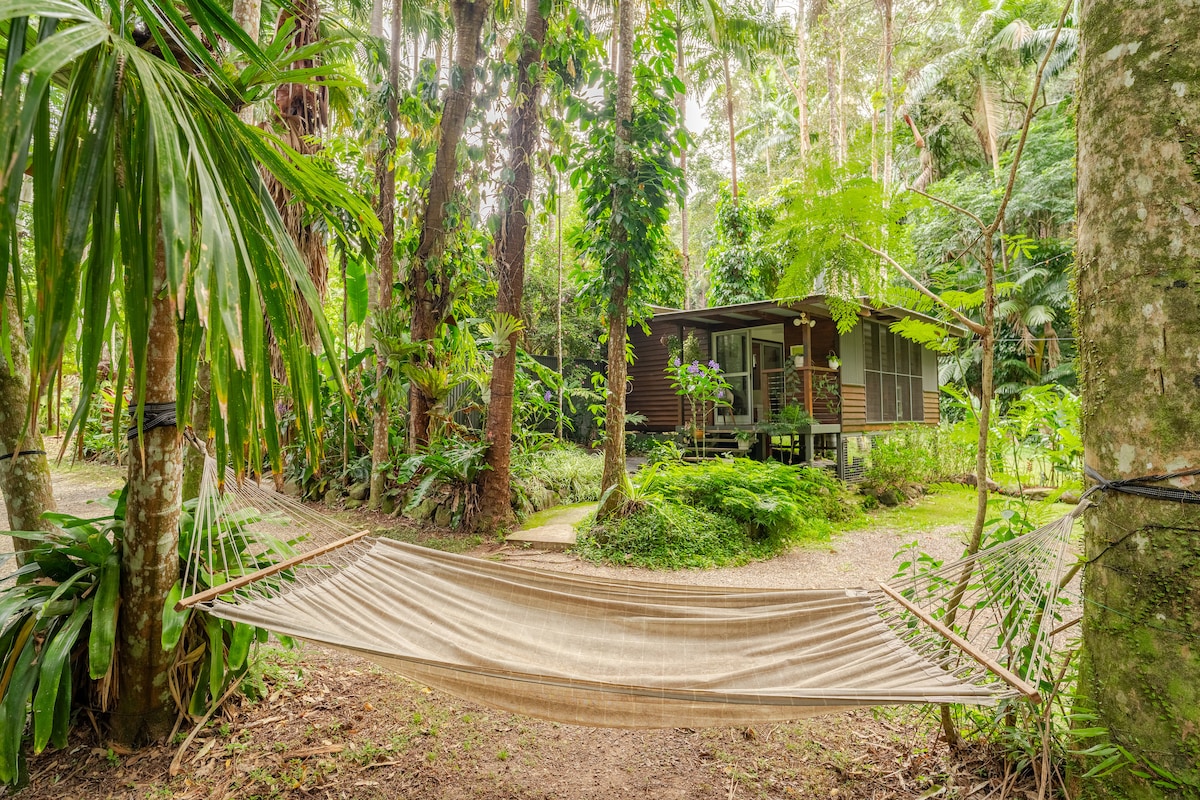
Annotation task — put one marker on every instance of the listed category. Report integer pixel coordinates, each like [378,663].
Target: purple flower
[714,365]
[693,369]
[549,396]
[720,393]
[677,362]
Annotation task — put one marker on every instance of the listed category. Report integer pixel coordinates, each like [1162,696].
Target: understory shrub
[555,476]
[719,513]
[901,462]
[768,498]
[666,535]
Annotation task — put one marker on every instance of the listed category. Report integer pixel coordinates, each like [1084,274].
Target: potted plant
[745,438]
[703,386]
[834,361]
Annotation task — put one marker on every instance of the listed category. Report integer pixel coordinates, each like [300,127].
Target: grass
[946,505]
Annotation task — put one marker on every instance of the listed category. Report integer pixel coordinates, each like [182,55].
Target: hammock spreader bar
[237,583]
[1003,674]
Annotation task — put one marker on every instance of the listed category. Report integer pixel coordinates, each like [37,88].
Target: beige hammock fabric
[609,653]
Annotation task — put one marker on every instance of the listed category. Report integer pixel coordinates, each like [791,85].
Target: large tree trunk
[150,553]
[614,479]
[1138,257]
[385,273]
[24,470]
[495,505]
[428,279]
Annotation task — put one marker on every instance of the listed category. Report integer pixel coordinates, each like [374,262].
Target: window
[893,376]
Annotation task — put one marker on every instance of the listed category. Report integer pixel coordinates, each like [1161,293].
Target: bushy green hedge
[720,513]
[555,476]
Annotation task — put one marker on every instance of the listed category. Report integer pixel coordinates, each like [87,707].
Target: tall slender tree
[385,268]
[495,507]
[428,281]
[1138,275]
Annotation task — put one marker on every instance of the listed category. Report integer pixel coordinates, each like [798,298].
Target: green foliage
[560,475]
[702,385]
[903,460]
[666,535]
[58,624]
[818,214]
[135,151]
[638,204]
[720,512]
[743,265]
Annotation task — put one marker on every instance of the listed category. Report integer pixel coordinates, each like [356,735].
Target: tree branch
[1030,110]
[950,206]
[970,324]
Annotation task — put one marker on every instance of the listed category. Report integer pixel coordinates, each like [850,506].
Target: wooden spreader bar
[237,583]
[1005,675]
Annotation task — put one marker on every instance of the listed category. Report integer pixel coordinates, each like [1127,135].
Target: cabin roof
[767,312]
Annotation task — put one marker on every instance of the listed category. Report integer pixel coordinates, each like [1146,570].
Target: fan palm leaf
[124,119]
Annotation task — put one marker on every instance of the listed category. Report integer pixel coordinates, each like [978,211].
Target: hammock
[614,653]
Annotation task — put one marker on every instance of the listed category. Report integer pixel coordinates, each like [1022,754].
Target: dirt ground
[333,726]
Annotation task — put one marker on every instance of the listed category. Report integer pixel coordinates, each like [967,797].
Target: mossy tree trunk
[1138,284]
[495,505]
[24,479]
[150,554]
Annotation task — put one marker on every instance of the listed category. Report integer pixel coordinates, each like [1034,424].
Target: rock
[443,517]
[291,488]
[352,504]
[891,497]
[424,510]
[387,505]
[359,491]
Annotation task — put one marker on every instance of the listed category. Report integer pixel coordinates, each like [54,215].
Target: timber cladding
[933,408]
[651,393]
[854,407]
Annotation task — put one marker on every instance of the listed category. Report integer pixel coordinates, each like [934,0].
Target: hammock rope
[622,653]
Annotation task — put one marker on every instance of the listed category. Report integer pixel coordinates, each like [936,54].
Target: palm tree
[144,176]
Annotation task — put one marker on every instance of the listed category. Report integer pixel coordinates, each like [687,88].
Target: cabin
[801,392]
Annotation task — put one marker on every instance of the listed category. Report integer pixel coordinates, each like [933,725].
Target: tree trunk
[1138,257]
[614,479]
[681,109]
[831,81]
[495,505]
[733,187]
[802,77]
[24,479]
[889,112]
[429,279]
[150,553]
[385,277]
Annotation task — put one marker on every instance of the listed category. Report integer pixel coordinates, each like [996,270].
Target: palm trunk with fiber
[733,185]
[429,279]
[24,469]
[495,506]
[150,551]
[1138,262]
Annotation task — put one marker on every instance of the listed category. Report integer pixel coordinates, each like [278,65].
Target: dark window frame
[893,372]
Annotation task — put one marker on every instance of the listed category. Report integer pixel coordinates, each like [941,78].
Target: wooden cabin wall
[652,394]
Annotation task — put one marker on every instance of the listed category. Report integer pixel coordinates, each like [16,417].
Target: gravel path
[75,487]
[855,558]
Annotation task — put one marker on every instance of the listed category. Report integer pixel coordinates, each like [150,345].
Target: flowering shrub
[702,385]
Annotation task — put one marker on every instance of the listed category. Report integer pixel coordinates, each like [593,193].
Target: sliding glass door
[732,351]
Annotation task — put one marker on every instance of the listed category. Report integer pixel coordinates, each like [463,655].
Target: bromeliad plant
[58,622]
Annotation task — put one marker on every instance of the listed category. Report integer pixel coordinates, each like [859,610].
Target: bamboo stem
[1005,675]
[237,583]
